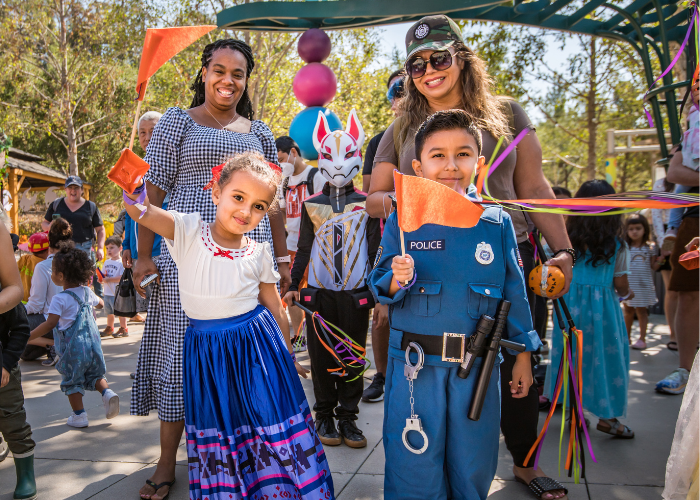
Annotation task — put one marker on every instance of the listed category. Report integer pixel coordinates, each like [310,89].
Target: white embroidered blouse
[217,282]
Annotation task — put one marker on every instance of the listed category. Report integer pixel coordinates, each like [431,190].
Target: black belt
[450,346]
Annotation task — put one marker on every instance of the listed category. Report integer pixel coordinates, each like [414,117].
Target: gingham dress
[181,154]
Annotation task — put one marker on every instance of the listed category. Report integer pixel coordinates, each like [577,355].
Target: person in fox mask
[338,241]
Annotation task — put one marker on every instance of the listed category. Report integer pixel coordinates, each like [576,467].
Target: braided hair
[244,106]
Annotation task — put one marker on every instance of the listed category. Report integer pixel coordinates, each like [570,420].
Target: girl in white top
[249,430]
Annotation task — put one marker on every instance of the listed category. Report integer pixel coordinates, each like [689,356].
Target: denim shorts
[109,304]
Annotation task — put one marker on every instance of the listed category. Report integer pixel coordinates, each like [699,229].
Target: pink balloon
[314,46]
[315,85]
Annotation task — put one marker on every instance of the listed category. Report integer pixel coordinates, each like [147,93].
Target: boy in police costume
[460,275]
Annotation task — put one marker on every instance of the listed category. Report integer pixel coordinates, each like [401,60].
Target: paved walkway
[112,459]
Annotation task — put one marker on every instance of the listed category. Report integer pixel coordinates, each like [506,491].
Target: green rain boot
[26,484]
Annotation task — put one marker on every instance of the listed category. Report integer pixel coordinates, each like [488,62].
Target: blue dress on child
[250,434]
[79,346]
[596,311]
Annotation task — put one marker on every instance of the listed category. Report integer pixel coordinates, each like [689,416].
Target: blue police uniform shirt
[458,279]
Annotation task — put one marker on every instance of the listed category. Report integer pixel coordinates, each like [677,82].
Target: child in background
[643,261]
[81,361]
[244,405]
[601,269]
[112,271]
[39,249]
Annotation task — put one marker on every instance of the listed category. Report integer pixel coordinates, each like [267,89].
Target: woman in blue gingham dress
[181,155]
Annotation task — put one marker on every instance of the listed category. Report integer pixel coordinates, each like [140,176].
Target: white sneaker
[78,420]
[110,400]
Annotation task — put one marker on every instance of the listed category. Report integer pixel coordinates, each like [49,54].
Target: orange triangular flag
[422,201]
[160,45]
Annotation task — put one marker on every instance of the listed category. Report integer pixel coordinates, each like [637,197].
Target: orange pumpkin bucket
[546,281]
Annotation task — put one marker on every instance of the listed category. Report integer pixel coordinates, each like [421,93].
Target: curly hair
[597,235]
[59,230]
[244,106]
[76,266]
[637,219]
[253,162]
[485,109]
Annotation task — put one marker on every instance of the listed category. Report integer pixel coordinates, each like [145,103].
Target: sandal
[541,485]
[672,345]
[156,487]
[615,428]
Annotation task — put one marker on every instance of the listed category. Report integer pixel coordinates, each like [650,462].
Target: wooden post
[86,192]
[14,211]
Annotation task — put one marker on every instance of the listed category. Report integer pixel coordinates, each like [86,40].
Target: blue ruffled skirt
[249,430]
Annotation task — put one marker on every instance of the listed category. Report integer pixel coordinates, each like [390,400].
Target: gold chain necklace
[235,116]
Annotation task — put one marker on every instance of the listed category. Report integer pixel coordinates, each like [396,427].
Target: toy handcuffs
[414,423]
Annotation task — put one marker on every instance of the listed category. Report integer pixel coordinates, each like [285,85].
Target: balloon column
[314,86]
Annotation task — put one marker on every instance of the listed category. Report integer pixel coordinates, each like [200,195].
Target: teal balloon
[302,129]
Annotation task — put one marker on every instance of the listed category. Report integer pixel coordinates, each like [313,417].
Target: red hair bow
[215,176]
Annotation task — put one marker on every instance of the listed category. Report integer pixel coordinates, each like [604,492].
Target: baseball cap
[38,242]
[73,180]
[432,33]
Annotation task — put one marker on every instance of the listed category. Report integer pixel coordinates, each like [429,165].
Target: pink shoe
[639,345]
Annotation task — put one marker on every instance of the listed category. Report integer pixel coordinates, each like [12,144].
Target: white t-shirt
[43,288]
[67,307]
[296,194]
[110,269]
[217,282]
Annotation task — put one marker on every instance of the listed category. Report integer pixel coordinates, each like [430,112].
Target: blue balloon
[302,129]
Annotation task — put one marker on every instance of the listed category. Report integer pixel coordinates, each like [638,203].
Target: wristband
[286,258]
[294,356]
[138,203]
[413,281]
[626,296]
[570,251]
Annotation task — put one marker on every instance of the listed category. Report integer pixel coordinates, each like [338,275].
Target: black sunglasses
[441,60]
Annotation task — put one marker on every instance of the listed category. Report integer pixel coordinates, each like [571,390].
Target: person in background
[81,362]
[42,291]
[84,218]
[643,260]
[659,220]
[685,282]
[14,332]
[300,182]
[380,315]
[113,270]
[38,251]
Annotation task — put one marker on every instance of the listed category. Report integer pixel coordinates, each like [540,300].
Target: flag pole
[135,126]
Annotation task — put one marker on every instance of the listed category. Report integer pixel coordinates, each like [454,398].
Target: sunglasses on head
[440,60]
[396,90]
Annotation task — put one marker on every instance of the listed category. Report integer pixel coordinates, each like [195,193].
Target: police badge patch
[379,256]
[484,253]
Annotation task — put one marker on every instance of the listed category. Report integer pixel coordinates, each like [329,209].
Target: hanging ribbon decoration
[347,354]
[693,20]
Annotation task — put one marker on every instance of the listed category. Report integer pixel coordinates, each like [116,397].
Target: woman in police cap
[443,73]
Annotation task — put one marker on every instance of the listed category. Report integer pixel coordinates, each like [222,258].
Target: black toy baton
[476,344]
[482,385]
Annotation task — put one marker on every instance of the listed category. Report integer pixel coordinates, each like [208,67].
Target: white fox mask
[339,153]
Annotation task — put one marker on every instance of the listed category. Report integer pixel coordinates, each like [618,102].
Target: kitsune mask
[339,155]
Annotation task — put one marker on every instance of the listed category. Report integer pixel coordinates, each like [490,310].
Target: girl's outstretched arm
[269,298]
[35,337]
[156,219]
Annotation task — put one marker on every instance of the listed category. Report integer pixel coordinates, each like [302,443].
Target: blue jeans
[87,248]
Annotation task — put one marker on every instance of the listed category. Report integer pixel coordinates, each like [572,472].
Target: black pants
[33,352]
[334,394]
[519,416]
[13,417]
[541,314]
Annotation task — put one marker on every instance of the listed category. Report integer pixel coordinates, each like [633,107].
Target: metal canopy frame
[643,24]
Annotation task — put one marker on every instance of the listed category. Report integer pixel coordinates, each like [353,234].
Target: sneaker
[122,332]
[375,391]
[675,383]
[327,433]
[669,240]
[110,400]
[639,345]
[351,434]
[4,450]
[107,331]
[52,357]
[78,420]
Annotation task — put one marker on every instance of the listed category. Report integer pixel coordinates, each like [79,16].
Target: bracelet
[294,356]
[570,251]
[626,296]
[286,258]
[138,203]
[413,281]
